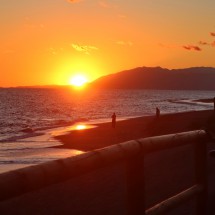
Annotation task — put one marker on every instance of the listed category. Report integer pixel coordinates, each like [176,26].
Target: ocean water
[48,112]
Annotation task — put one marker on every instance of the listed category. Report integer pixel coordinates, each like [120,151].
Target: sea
[30,118]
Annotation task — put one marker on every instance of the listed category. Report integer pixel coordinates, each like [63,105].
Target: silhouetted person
[113,120]
[214,104]
[157,113]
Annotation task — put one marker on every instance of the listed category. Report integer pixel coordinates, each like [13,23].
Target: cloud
[203,43]
[207,44]
[186,47]
[55,51]
[192,48]
[124,43]
[212,34]
[83,48]
[73,1]
[107,5]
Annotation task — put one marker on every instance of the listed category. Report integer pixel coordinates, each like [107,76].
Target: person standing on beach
[113,120]
[214,104]
[157,113]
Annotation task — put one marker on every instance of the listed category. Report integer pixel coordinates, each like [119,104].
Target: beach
[104,135]
[103,191]
[98,98]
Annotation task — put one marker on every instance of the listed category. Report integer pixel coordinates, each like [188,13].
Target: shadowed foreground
[103,191]
[104,135]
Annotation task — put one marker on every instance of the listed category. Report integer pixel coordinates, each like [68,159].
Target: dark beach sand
[104,135]
[103,191]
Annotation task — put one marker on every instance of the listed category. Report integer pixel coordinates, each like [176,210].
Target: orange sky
[51,41]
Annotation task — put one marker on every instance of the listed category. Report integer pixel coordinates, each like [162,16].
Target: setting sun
[78,81]
[81,127]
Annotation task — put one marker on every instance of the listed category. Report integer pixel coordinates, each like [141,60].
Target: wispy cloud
[203,43]
[207,44]
[186,47]
[196,47]
[73,1]
[55,51]
[83,48]
[124,43]
[107,5]
[192,48]
[212,34]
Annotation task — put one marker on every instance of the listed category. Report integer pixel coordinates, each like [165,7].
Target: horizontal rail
[170,203]
[24,180]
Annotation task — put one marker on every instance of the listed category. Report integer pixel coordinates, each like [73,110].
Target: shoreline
[104,135]
[205,100]
[62,128]
[31,131]
[102,191]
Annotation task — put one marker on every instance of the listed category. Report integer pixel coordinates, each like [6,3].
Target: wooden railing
[24,180]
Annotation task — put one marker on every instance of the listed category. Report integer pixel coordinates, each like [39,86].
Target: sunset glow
[81,127]
[46,42]
[78,81]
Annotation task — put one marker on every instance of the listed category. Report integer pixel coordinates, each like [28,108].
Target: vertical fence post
[201,176]
[135,186]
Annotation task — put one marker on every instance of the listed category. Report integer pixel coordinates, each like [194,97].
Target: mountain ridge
[193,78]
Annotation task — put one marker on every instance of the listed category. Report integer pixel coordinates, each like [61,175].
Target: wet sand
[104,135]
[104,191]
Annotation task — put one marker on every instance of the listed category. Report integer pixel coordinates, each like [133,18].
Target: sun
[78,81]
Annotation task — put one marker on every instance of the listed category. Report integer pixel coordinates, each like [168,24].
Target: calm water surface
[42,109]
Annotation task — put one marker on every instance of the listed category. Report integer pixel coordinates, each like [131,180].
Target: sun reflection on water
[75,127]
[81,127]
